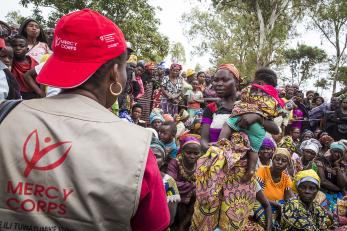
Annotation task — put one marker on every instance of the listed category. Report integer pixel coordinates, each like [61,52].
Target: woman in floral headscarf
[171,88]
[302,212]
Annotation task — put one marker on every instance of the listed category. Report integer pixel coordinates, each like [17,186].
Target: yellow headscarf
[284,152]
[305,176]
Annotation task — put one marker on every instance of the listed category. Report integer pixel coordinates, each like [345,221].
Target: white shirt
[4,88]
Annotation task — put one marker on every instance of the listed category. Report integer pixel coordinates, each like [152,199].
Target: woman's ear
[113,73]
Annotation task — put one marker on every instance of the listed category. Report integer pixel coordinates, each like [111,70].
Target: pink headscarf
[176,65]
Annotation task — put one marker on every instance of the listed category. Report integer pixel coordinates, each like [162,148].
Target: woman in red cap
[72,163]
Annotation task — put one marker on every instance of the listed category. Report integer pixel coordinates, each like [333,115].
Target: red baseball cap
[2,43]
[83,41]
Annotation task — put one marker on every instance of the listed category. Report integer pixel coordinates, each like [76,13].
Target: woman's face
[344,104]
[335,154]
[319,101]
[307,136]
[224,84]
[296,134]
[266,153]
[308,155]
[280,162]
[191,153]
[201,78]
[156,125]
[310,95]
[175,72]
[307,191]
[33,29]
[316,132]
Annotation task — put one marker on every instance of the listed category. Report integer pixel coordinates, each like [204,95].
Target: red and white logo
[44,158]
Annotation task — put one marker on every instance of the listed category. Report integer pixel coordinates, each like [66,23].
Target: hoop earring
[118,92]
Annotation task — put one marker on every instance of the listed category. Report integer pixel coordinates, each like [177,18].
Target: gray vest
[67,163]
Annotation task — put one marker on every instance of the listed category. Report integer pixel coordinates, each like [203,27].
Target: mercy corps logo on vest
[40,155]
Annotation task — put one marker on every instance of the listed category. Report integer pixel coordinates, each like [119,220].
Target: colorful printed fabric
[221,198]
[273,191]
[172,193]
[288,143]
[185,181]
[257,101]
[295,216]
[256,133]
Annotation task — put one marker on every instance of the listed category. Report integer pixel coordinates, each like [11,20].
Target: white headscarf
[311,144]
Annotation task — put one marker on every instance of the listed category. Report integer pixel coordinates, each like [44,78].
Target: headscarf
[325,139]
[155,116]
[307,132]
[168,117]
[339,146]
[176,65]
[150,66]
[189,139]
[190,73]
[182,115]
[156,143]
[288,143]
[268,143]
[305,176]
[311,144]
[231,67]
[284,152]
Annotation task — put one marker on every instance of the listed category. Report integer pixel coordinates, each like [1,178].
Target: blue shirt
[171,149]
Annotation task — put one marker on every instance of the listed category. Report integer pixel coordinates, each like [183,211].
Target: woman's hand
[248,119]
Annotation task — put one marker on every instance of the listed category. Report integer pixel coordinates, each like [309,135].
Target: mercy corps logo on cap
[83,41]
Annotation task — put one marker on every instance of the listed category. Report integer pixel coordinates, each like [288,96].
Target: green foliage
[135,18]
[14,17]
[241,32]
[302,61]
[342,75]
[177,53]
[330,18]
[323,84]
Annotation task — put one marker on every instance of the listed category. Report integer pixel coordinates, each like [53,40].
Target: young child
[136,112]
[261,97]
[172,193]
[156,119]
[182,169]
[194,98]
[181,119]
[6,56]
[167,133]
[21,64]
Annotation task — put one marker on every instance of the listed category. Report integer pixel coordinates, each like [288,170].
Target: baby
[261,98]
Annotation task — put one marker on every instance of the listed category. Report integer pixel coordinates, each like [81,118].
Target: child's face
[139,71]
[136,113]
[6,56]
[195,84]
[191,153]
[165,134]
[20,48]
[156,125]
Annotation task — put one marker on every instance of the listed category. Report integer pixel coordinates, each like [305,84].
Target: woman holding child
[225,198]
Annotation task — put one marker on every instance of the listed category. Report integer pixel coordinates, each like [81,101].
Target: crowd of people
[233,154]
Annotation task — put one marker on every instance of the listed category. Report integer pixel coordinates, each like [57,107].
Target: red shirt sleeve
[153,211]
